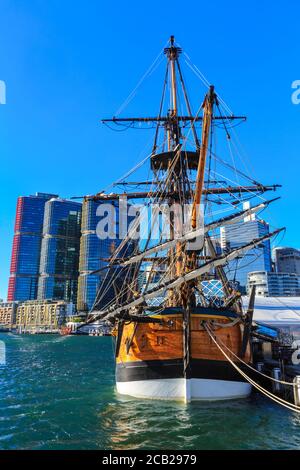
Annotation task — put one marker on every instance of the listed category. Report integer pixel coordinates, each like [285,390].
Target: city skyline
[57,253]
[58,247]
[60,85]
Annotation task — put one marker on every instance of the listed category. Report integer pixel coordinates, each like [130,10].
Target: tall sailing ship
[179,324]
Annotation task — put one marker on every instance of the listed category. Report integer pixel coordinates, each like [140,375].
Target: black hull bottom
[154,370]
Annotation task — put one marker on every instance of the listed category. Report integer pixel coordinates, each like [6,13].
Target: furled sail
[231,219]
[220,261]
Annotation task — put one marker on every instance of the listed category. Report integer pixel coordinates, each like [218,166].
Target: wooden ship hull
[150,362]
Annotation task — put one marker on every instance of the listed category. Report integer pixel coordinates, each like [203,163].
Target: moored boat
[180,325]
[151,365]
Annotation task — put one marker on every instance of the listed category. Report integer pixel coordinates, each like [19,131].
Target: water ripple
[58,393]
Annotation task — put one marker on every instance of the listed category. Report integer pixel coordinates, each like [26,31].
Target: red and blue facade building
[25,258]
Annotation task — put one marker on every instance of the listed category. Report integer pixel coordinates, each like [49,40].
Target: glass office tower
[257,259]
[25,258]
[94,253]
[58,273]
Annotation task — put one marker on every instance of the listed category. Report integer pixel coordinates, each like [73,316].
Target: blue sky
[66,64]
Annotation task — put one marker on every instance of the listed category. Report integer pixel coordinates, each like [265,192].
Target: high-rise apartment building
[25,258]
[59,260]
[287,260]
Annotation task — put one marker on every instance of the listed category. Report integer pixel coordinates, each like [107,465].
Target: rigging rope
[265,392]
[248,365]
[204,80]
[164,183]
[148,72]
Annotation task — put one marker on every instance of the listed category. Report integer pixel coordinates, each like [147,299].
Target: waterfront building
[272,284]
[94,255]
[257,259]
[8,313]
[25,258]
[287,260]
[59,260]
[42,315]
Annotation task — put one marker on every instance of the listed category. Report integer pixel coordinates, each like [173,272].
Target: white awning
[276,310]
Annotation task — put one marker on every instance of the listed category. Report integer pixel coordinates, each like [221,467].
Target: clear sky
[66,64]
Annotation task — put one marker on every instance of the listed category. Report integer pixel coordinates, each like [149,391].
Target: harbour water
[58,393]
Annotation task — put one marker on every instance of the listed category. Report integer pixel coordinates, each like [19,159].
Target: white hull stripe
[185,389]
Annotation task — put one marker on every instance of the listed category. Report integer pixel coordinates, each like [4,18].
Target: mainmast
[172,160]
[172,52]
[173,137]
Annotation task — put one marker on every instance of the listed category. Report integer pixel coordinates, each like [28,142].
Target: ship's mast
[206,127]
[175,164]
[182,297]
[172,52]
[185,269]
[173,55]
[173,137]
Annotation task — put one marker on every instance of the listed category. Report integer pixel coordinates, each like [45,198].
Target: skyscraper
[25,258]
[287,260]
[94,253]
[257,259]
[58,272]
[92,249]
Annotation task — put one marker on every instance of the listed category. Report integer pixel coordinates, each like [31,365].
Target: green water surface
[58,393]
